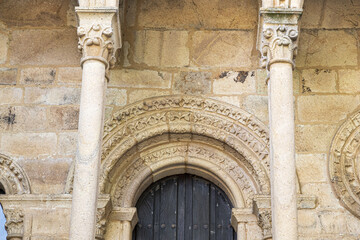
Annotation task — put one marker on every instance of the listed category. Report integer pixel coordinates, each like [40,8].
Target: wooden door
[184,207]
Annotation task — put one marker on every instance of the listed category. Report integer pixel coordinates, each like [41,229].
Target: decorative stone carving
[12,177]
[265,223]
[344,164]
[14,224]
[100,224]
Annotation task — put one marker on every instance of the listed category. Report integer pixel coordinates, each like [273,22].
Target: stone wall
[198,47]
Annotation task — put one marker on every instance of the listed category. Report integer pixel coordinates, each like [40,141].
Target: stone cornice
[278,34]
[99,34]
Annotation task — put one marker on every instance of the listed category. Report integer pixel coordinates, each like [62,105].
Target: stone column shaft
[98,33]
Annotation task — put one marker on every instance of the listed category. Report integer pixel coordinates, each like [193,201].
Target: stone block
[192,83]
[136,95]
[326,198]
[11,95]
[29,144]
[139,79]
[258,106]
[8,76]
[52,96]
[323,48]
[308,222]
[115,96]
[218,14]
[22,13]
[161,48]
[4,44]
[349,81]
[234,100]
[39,46]
[318,80]
[314,138]
[341,14]
[70,75]
[63,118]
[326,108]
[131,13]
[223,49]
[67,143]
[332,222]
[311,168]
[231,82]
[37,76]
[312,14]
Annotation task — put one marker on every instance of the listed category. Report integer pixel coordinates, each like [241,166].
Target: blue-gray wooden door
[184,207]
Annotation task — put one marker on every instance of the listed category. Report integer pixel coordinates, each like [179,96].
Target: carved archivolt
[344,164]
[12,177]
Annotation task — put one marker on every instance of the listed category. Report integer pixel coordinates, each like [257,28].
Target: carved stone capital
[278,35]
[14,223]
[100,224]
[99,34]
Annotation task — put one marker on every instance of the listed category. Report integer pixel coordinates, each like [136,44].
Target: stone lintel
[242,215]
[125,214]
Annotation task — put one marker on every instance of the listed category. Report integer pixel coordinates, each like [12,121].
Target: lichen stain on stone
[318,71]
[223,74]
[304,88]
[241,77]
[53,73]
[9,118]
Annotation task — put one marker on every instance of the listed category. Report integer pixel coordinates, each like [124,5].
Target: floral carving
[100,224]
[14,223]
[344,164]
[12,177]
[265,223]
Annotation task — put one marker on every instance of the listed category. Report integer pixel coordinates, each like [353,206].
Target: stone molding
[12,177]
[344,164]
[278,35]
[124,214]
[99,34]
[14,224]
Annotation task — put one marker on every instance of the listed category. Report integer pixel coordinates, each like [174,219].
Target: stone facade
[188,77]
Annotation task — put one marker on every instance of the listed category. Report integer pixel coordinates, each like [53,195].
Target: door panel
[184,207]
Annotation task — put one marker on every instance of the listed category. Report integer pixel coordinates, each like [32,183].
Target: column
[99,37]
[278,35]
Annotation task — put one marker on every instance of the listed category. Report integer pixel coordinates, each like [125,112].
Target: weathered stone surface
[8,76]
[230,82]
[131,13]
[10,95]
[136,95]
[318,80]
[341,14]
[52,96]
[308,222]
[311,168]
[326,198]
[44,225]
[349,81]
[234,100]
[139,79]
[326,108]
[322,48]
[192,83]
[30,47]
[313,138]
[218,14]
[161,48]
[37,76]
[258,106]
[67,143]
[70,75]
[63,118]
[3,46]
[34,13]
[115,96]
[222,48]
[29,144]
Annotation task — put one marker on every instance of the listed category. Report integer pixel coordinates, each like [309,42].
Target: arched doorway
[184,207]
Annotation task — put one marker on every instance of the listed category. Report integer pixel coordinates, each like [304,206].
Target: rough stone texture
[37,76]
[222,48]
[136,95]
[311,17]
[192,83]
[224,14]
[3,47]
[349,81]
[341,14]
[30,47]
[67,143]
[36,145]
[69,75]
[318,80]
[139,79]
[64,118]
[115,96]
[311,168]
[315,45]
[258,106]
[313,138]
[52,96]
[234,100]
[161,48]
[10,95]
[326,108]
[230,82]
[33,13]
[8,76]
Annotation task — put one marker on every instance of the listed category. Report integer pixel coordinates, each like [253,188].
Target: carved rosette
[344,164]
[100,224]
[14,223]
